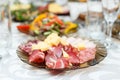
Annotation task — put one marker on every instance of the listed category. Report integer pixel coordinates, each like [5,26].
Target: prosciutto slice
[37,56]
[54,58]
[86,54]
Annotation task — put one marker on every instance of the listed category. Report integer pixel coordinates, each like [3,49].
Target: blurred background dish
[26,12]
[58,9]
[83,0]
[23,12]
[47,23]
[116,30]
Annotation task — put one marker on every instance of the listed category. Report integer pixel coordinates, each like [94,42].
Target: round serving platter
[101,53]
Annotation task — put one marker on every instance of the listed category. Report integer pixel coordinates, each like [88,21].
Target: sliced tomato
[58,20]
[50,23]
[23,28]
[55,19]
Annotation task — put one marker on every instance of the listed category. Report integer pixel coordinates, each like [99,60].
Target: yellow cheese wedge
[41,45]
[52,39]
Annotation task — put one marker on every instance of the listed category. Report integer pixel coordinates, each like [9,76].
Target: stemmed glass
[2,32]
[110,11]
[9,41]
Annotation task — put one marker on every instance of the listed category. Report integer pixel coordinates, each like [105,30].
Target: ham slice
[61,63]
[72,52]
[27,48]
[54,58]
[57,50]
[50,60]
[86,54]
[37,56]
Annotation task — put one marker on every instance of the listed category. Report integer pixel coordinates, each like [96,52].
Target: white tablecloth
[12,68]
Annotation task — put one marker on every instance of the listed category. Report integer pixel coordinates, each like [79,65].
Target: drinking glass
[74,11]
[110,11]
[9,41]
[63,2]
[94,19]
[2,10]
[2,35]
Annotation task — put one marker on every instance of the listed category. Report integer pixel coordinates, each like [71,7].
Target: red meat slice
[53,63]
[86,55]
[72,52]
[61,64]
[50,60]
[57,50]
[36,57]
[54,58]
[66,62]
[27,48]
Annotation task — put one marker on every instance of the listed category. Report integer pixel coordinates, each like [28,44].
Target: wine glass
[110,11]
[2,26]
[9,41]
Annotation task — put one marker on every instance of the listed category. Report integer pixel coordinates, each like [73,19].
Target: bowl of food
[23,12]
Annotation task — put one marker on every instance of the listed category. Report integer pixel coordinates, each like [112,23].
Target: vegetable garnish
[47,23]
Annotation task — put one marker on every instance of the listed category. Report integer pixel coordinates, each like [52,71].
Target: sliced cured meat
[87,54]
[54,59]
[72,52]
[50,60]
[61,64]
[74,59]
[57,50]
[27,48]
[37,57]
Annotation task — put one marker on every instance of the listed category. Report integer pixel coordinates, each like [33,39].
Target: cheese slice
[53,39]
[65,54]
[41,45]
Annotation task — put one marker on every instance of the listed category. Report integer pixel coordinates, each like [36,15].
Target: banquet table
[12,68]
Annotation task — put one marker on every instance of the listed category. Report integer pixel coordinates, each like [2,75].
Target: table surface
[12,68]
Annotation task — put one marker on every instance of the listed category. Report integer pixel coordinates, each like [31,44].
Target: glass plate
[101,53]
